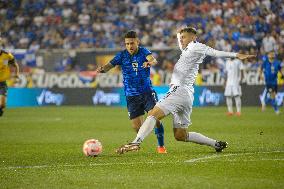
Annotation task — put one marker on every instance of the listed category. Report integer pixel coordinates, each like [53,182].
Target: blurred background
[59,43]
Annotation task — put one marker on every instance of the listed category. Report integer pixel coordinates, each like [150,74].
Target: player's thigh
[182,119]
[157,112]
[180,134]
[150,99]
[135,106]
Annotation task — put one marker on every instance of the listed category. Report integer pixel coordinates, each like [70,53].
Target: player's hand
[245,56]
[100,69]
[147,64]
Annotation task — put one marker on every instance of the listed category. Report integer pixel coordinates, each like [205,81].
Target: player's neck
[271,60]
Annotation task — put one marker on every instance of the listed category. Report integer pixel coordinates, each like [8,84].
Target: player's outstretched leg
[159,131]
[198,138]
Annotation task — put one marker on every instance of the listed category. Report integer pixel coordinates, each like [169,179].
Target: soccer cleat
[230,113]
[128,148]
[277,112]
[161,150]
[220,145]
[238,114]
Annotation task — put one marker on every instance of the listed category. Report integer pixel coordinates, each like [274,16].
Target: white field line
[201,159]
[195,160]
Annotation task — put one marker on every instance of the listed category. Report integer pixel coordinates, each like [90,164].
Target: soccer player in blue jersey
[135,62]
[270,68]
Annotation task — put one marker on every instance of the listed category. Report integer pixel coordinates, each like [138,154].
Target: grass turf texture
[42,148]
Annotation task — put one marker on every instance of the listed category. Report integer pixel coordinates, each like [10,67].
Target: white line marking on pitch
[201,159]
[195,160]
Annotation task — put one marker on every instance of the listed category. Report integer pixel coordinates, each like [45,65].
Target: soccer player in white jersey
[179,99]
[234,76]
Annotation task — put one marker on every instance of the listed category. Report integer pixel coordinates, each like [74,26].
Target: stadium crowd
[254,26]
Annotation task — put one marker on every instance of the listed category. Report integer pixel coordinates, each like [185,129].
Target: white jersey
[186,69]
[233,69]
[179,99]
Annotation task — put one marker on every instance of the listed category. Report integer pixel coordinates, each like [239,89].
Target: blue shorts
[3,88]
[271,88]
[137,105]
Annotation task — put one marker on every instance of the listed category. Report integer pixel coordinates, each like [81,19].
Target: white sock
[229,101]
[238,103]
[200,139]
[145,129]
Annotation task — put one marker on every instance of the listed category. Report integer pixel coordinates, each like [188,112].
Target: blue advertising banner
[114,96]
[18,97]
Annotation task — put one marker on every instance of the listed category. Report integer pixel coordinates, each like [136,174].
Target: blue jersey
[136,79]
[270,71]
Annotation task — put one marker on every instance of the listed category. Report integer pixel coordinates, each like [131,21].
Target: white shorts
[233,90]
[178,101]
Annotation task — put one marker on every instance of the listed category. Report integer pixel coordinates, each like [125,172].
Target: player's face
[131,45]
[271,56]
[186,38]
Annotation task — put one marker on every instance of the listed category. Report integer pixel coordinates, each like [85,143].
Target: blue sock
[160,134]
[273,103]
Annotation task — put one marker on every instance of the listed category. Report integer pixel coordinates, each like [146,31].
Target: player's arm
[222,54]
[105,68]
[151,61]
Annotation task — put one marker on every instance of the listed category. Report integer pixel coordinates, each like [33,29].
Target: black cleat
[128,148]
[220,145]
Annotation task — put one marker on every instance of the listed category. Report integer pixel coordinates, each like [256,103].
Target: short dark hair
[189,30]
[130,34]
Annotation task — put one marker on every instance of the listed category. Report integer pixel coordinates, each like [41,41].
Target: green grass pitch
[42,148]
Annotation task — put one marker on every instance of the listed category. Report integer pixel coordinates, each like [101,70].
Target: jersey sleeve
[204,49]
[179,43]
[11,59]
[117,59]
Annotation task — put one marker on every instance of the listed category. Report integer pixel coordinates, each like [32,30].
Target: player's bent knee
[179,138]
[180,134]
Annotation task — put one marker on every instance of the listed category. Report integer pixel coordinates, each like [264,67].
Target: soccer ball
[92,147]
